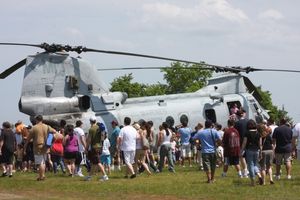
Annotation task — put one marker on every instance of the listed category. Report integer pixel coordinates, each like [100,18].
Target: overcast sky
[263,34]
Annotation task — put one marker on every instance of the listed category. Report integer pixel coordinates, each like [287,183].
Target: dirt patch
[4,196]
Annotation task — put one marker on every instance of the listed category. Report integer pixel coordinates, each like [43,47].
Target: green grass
[186,183]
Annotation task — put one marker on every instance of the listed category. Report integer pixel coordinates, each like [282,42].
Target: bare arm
[83,141]
[244,144]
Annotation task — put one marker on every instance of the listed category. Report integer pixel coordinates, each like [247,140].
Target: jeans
[252,162]
[57,160]
[166,150]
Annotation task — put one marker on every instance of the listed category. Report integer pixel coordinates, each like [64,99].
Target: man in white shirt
[127,144]
[80,157]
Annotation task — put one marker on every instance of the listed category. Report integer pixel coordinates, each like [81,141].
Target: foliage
[275,113]
[124,84]
[183,77]
[180,78]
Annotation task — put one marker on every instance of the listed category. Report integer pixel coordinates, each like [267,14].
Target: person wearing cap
[94,146]
[114,151]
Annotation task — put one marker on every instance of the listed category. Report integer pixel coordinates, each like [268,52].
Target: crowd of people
[252,148]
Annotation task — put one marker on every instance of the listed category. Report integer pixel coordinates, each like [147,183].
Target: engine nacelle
[50,106]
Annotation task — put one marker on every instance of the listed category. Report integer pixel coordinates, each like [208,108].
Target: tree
[124,84]
[275,113]
[182,77]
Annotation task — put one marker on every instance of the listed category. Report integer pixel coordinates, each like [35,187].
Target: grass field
[186,183]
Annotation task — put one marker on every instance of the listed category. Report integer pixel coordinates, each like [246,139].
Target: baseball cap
[93,119]
[114,122]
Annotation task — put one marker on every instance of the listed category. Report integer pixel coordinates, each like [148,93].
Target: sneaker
[79,174]
[133,176]
[4,174]
[112,168]
[104,178]
[171,170]
[88,178]
[223,174]
[245,176]
[119,167]
[277,177]
[289,177]
[260,180]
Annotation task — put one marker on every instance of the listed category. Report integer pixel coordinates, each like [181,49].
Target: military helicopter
[59,86]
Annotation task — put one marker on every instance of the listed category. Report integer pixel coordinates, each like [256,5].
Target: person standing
[164,141]
[185,135]
[282,139]
[78,131]
[252,146]
[94,143]
[127,144]
[209,139]
[241,127]
[267,152]
[231,145]
[71,144]
[8,146]
[115,152]
[39,134]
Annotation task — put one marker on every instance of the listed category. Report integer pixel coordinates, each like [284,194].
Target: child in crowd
[105,156]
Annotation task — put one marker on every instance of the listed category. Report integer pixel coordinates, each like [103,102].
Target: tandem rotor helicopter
[59,86]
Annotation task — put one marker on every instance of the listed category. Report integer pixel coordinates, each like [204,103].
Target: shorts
[40,159]
[113,151]
[80,158]
[7,157]
[129,157]
[94,156]
[232,160]
[266,160]
[140,155]
[209,161]
[286,157]
[105,159]
[70,155]
[186,151]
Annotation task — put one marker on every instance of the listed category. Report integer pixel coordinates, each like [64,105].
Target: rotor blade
[215,67]
[21,44]
[250,69]
[12,69]
[151,68]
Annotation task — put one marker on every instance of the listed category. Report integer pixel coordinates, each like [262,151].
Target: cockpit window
[211,115]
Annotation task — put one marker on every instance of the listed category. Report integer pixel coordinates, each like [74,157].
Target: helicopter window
[211,115]
[184,118]
[170,121]
[73,82]
[232,105]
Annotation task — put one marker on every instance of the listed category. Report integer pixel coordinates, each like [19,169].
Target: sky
[262,34]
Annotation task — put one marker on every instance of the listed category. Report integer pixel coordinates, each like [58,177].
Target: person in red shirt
[231,145]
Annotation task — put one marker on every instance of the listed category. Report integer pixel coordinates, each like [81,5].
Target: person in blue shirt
[185,135]
[115,153]
[209,139]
